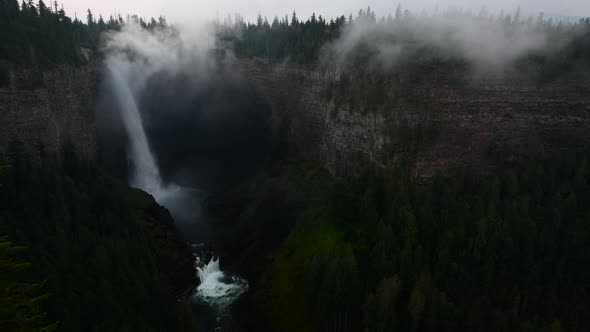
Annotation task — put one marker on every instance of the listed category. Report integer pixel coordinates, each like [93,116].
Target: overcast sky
[182,10]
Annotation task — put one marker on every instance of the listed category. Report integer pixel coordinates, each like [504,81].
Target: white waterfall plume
[146,175]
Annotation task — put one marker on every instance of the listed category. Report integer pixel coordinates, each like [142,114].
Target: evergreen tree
[20,302]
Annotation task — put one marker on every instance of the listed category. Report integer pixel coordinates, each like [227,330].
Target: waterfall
[146,175]
[215,288]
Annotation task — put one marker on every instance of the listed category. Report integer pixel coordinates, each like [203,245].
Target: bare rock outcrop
[49,110]
[439,127]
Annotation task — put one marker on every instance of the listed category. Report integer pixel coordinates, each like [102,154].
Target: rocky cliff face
[47,111]
[439,127]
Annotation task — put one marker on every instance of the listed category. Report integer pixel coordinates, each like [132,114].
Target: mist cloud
[488,43]
[142,54]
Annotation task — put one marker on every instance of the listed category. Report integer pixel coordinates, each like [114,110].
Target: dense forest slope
[108,254]
[383,253]
[80,251]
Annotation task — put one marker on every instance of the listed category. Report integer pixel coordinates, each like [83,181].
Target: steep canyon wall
[437,125]
[44,112]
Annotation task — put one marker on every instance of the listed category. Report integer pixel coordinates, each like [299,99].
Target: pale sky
[186,10]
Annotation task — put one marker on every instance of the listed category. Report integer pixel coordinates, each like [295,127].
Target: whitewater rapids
[216,289]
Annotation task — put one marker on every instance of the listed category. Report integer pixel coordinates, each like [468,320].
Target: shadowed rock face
[46,112]
[204,132]
[464,124]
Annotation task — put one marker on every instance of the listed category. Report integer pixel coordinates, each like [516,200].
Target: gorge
[319,131]
[220,178]
[215,288]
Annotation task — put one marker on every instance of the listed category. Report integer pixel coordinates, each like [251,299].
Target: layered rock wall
[464,125]
[439,127]
[46,111]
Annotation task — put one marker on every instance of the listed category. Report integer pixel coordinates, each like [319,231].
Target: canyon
[439,127]
[45,111]
[410,173]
